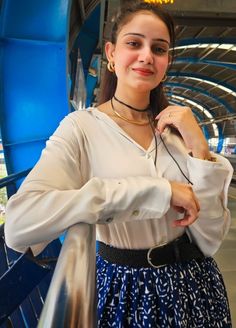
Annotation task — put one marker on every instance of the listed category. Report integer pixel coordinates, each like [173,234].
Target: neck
[134,106]
[130,121]
[131,107]
[139,102]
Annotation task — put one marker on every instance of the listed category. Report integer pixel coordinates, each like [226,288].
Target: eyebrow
[143,36]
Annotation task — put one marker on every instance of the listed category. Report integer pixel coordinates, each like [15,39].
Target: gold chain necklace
[126,119]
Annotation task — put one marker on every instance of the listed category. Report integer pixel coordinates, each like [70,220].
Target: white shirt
[92,171]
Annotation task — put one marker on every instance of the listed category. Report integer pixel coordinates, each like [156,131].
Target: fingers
[173,110]
[190,214]
[164,121]
[179,116]
[196,202]
[183,120]
[188,219]
[184,200]
[179,209]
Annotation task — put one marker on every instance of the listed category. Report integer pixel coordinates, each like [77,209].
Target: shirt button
[148,156]
[135,213]
[109,220]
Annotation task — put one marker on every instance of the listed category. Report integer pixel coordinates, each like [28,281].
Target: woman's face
[141,54]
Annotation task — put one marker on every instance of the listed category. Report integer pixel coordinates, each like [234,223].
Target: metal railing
[10,181]
[71,299]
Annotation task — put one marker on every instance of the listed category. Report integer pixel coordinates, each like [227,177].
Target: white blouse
[92,171]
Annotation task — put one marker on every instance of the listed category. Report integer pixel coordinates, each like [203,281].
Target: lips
[143,71]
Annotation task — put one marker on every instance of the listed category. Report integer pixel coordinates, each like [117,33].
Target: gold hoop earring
[164,78]
[111,66]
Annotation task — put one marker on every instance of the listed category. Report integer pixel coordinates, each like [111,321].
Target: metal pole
[71,300]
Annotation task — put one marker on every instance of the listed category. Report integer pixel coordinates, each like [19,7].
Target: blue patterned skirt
[188,295]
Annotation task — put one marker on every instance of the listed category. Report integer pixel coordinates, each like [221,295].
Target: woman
[142,171]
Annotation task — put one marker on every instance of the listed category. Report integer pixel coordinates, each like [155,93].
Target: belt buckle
[149,257]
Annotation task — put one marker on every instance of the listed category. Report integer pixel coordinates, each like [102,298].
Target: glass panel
[79,97]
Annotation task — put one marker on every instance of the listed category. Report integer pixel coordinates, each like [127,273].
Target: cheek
[162,63]
[124,59]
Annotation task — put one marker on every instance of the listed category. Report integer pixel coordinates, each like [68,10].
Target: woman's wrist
[203,154]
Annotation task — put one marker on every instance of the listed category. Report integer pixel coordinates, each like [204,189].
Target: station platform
[226,256]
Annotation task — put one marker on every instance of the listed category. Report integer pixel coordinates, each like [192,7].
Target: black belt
[176,251]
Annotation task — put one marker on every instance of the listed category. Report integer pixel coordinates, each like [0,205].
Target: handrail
[12,178]
[71,299]
[10,181]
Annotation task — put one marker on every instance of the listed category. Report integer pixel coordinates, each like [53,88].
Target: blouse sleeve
[211,181]
[58,193]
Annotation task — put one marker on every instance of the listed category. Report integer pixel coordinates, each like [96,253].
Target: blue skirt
[188,295]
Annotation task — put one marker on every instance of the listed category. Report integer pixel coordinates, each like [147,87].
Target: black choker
[133,108]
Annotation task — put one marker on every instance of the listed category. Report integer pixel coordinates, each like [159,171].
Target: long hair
[158,100]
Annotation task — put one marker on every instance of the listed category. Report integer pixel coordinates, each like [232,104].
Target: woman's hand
[183,200]
[183,120]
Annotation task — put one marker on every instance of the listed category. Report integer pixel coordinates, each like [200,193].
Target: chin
[144,87]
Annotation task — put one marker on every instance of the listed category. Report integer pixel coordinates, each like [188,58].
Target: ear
[169,60]
[110,50]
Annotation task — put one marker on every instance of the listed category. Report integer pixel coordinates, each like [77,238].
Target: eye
[133,44]
[159,50]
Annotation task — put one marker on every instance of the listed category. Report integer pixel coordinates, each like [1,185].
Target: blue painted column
[34,90]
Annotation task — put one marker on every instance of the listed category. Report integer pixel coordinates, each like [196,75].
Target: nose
[146,56]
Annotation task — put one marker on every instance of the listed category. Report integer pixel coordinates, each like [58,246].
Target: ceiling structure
[203,73]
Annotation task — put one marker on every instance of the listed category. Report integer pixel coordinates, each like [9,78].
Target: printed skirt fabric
[188,295]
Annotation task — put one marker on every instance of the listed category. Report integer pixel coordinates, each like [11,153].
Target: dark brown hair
[158,100]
